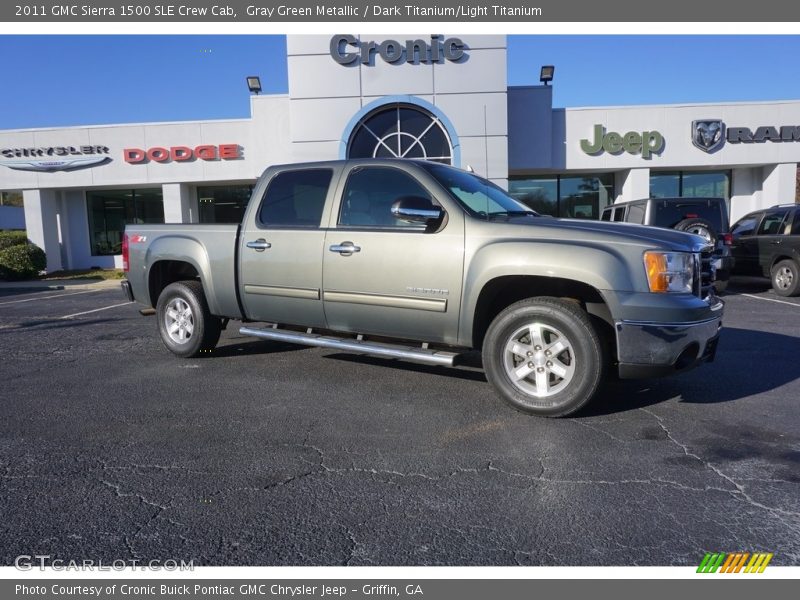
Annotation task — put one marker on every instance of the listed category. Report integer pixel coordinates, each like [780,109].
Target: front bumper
[649,349]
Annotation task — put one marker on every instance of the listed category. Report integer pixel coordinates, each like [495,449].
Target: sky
[52,81]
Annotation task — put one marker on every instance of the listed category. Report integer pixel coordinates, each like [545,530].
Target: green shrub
[22,261]
[12,238]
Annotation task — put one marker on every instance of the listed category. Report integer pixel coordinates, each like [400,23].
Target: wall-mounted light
[254,84]
[546,74]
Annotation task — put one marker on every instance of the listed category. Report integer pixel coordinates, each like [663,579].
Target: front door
[281,249]
[383,276]
[771,234]
[745,245]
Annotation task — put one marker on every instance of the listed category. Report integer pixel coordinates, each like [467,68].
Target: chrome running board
[416,353]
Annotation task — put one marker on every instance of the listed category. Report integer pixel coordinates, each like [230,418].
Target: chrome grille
[704,283]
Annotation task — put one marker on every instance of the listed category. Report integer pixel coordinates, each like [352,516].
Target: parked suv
[706,217]
[767,243]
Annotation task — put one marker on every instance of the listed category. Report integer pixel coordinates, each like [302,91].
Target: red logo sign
[182,153]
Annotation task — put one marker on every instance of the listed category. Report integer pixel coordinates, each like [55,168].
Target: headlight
[669,271]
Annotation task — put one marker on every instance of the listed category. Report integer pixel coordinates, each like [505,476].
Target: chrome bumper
[646,349]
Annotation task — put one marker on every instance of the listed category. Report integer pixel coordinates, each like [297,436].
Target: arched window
[400,131]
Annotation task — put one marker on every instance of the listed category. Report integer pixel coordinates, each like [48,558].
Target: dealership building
[438,97]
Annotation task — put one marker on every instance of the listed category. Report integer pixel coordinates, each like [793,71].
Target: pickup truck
[425,262]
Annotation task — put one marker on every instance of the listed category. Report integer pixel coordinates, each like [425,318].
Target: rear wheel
[786,278]
[186,326]
[544,356]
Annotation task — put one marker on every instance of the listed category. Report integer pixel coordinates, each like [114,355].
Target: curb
[113,283]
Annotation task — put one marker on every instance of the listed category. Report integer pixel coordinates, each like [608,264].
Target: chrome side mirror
[416,209]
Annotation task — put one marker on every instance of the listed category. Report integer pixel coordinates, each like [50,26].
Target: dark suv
[706,217]
[767,243]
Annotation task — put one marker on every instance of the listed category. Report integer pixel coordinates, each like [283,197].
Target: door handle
[775,242]
[259,245]
[345,248]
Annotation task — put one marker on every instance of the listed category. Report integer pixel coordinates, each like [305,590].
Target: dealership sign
[645,143]
[161,154]
[347,49]
[710,134]
[54,158]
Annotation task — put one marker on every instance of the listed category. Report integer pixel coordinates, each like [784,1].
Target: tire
[700,227]
[564,385]
[785,277]
[186,326]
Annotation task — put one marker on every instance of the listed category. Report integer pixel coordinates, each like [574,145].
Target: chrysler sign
[54,158]
[711,134]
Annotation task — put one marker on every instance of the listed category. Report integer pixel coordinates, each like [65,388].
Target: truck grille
[704,285]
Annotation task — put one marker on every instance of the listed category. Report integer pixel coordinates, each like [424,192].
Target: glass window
[746,226]
[690,184]
[636,213]
[370,193]
[223,203]
[772,224]
[538,193]
[584,196]
[705,185]
[573,196]
[796,222]
[619,214]
[400,131]
[479,196]
[11,199]
[110,210]
[665,185]
[295,198]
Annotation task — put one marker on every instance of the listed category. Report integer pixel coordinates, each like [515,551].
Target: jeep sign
[347,49]
[645,143]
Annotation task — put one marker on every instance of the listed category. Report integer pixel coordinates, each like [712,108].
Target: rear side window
[369,195]
[295,198]
[606,215]
[796,223]
[746,226]
[619,214]
[773,223]
[669,214]
[636,213]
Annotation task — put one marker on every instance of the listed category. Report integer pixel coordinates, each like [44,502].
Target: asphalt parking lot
[266,454]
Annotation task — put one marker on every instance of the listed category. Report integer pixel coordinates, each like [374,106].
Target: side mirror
[416,209]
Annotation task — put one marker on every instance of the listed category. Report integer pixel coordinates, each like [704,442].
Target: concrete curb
[28,286]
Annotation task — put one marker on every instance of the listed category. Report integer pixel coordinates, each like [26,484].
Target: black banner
[731,588]
[412,11]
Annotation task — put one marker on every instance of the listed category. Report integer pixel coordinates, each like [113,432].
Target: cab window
[295,199]
[369,194]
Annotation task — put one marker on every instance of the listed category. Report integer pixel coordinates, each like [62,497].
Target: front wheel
[544,356]
[785,278]
[186,326]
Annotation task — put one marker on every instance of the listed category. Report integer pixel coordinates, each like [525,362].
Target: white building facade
[440,97]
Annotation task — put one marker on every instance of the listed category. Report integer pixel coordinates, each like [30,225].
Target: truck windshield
[479,196]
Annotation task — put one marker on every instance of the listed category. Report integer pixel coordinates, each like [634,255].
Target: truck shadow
[748,363]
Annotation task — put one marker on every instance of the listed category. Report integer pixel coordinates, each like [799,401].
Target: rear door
[745,244]
[771,233]
[281,248]
[397,279]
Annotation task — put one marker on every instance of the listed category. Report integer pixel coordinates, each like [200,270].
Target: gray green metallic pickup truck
[425,262]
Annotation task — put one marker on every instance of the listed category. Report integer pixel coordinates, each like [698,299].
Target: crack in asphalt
[740,491]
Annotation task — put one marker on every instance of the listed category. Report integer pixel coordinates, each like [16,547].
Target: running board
[418,354]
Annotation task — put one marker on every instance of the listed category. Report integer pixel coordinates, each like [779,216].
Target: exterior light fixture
[546,74]
[254,84]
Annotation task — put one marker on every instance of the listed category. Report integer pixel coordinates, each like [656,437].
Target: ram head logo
[708,134]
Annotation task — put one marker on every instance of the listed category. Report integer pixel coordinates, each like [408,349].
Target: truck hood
[583,230]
